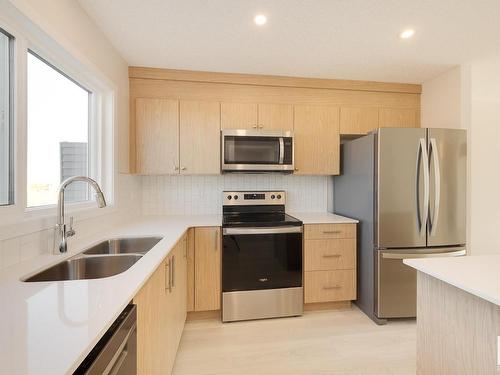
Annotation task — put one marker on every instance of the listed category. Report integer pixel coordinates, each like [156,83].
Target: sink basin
[137,245]
[87,267]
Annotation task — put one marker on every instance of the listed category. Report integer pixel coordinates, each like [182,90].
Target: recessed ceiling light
[260,19]
[407,34]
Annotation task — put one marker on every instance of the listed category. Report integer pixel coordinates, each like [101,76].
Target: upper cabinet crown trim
[268,80]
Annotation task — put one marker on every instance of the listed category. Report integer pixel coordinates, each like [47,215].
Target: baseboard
[337,305]
[203,315]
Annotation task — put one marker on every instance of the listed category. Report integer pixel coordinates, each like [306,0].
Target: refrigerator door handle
[437,186]
[388,255]
[422,160]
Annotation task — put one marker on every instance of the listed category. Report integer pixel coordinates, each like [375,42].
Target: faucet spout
[61,244]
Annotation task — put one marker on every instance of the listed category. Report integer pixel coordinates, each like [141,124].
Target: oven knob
[279,196]
[229,197]
[272,196]
[235,197]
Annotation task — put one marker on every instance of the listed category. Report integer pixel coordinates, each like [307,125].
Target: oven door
[261,258]
[247,150]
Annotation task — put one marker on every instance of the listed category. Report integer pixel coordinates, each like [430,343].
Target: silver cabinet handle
[332,287]
[254,126]
[437,186]
[332,231]
[183,168]
[261,126]
[168,287]
[172,272]
[216,237]
[422,160]
[331,256]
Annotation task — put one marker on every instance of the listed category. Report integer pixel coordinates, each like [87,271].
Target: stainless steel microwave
[257,151]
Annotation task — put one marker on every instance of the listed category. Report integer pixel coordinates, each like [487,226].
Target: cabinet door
[399,118]
[152,324]
[317,140]
[157,136]
[199,137]
[207,269]
[275,117]
[238,115]
[358,120]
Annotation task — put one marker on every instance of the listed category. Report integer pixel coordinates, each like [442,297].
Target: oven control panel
[253,198]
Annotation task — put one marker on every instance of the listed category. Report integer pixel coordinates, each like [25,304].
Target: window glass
[6,180]
[58,134]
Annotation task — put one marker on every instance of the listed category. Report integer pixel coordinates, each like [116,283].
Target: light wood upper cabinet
[199,137]
[399,118]
[263,116]
[157,136]
[238,115]
[207,269]
[275,117]
[358,120]
[317,140]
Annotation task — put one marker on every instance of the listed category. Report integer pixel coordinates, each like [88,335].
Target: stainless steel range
[261,257]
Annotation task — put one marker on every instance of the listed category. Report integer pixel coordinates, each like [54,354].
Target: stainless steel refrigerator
[407,187]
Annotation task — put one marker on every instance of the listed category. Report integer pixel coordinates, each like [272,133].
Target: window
[6,159]
[58,134]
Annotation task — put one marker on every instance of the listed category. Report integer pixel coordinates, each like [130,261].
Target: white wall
[441,101]
[69,26]
[176,195]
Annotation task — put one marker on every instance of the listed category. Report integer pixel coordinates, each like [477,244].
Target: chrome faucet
[61,244]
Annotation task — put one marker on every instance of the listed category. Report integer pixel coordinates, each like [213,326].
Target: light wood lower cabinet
[329,262]
[161,313]
[207,269]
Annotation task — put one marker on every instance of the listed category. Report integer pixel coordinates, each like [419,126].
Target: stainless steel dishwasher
[116,352]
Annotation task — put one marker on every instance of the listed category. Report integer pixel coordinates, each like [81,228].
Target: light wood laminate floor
[318,343]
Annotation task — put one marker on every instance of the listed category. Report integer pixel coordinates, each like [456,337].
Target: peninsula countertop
[476,274]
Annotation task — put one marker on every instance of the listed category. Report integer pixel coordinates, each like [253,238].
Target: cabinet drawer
[321,231]
[330,254]
[327,286]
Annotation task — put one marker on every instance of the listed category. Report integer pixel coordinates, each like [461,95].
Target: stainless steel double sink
[105,259]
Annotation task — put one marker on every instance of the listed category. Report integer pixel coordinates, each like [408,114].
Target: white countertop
[478,274]
[50,327]
[322,218]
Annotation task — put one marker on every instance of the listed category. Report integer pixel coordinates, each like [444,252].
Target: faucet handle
[70,232]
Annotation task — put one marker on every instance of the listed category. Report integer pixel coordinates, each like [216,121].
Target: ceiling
[347,39]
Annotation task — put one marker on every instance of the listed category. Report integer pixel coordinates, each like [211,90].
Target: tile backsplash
[176,195]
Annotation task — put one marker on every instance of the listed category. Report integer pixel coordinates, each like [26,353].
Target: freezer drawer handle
[428,255]
[331,256]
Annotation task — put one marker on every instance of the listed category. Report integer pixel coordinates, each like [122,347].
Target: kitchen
[231,188]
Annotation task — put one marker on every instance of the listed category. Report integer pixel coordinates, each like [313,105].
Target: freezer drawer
[396,289]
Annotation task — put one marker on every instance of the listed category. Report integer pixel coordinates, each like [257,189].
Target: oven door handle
[264,230]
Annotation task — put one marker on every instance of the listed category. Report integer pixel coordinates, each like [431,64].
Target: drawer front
[330,254]
[323,231]
[328,286]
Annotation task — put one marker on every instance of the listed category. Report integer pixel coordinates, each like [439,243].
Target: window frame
[11,197]
[29,37]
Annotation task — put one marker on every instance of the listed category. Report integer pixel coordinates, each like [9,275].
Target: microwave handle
[282,150]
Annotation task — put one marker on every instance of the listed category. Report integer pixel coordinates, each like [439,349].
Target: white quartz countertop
[50,327]
[322,218]
[478,275]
